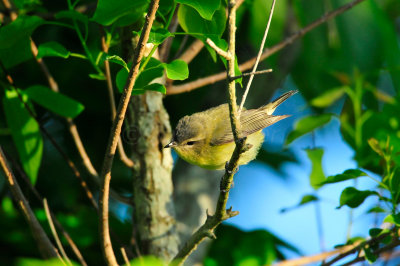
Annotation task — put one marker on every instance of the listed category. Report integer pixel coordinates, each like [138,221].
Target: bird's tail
[270,107]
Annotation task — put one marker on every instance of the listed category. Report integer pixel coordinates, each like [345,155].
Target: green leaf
[52,49]
[151,87]
[353,197]
[98,76]
[329,97]
[15,45]
[72,15]
[369,255]
[120,12]
[177,70]
[53,101]
[147,261]
[25,133]
[346,175]
[304,200]
[393,219]
[118,60]
[192,22]
[205,8]
[306,125]
[158,36]
[18,30]
[317,175]
[373,232]
[41,262]
[376,209]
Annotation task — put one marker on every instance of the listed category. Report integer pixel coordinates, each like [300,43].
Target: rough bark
[154,209]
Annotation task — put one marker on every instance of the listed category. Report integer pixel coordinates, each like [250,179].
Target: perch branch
[46,248]
[186,87]
[115,133]
[258,56]
[221,213]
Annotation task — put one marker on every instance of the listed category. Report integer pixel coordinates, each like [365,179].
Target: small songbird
[205,138]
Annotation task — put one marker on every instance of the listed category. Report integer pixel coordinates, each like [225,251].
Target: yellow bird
[205,138]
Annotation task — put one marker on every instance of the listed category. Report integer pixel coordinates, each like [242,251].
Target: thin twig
[54,232]
[115,133]
[46,248]
[123,252]
[258,56]
[219,51]
[221,213]
[186,87]
[251,73]
[121,151]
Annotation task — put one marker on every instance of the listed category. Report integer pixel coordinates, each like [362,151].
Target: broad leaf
[192,22]
[53,101]
[304,200]
[52,49]
[346,175]
[177,70]
[151,87]
[393,219]
[25,133]
[306,125]
[121,12]
[158,36]
[317,175]
[353,197]
[15,45]
[72,15]
[118,60]
[205,8]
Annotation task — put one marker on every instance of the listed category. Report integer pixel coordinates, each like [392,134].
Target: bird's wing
[251,122]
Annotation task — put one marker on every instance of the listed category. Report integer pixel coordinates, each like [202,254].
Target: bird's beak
[171,144]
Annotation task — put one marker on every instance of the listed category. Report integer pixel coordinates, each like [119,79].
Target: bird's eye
[190,143]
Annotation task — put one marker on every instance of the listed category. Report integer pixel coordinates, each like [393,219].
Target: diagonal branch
[115,133]
[221,213]
[46,248]
[186,87]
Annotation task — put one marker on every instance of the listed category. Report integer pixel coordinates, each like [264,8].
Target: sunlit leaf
[192,22]
[205,8]
[56,102]
[158,36]
[177,70]
[328,97]
[147,261]
[25,133]
[346,175]
[42,262]
[306,125]
[353,197]
[52,49]
[374,144]
[393,219]
[118,60]
[317,175]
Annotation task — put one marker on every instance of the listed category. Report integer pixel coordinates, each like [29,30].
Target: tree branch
[46,248]
[54,232]
[221,213]
[186,87]
[115,133]
[251,74]
[258,56]
[219,51]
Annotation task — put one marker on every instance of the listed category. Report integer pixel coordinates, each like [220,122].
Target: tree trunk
[152,188]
